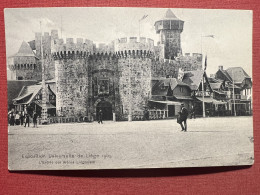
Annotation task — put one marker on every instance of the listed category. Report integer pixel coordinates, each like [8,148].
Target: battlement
[69,47]
[82,54]
[134,43]
[134,53]
[189,56]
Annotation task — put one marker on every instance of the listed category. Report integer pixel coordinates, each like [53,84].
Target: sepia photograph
[128,88]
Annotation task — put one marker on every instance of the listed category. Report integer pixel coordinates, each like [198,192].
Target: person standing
[27,120]
[17,118]
[183,115]
[35,116]
[12,119]
[100,117]
[22,118]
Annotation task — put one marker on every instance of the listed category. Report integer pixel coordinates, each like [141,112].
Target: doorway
[106,108]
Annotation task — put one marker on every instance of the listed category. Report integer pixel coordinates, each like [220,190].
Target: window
[181,89]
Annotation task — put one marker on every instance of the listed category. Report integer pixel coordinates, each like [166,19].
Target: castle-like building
[116,78]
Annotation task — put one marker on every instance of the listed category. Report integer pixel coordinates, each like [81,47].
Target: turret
[169,29]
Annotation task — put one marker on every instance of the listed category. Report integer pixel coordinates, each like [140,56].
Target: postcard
[122,88]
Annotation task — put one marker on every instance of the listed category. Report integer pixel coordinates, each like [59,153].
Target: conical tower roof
[25,50]
[169,15]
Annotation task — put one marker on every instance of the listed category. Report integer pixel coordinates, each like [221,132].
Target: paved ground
[209,141]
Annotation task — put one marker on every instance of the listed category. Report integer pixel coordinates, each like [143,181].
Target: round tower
[71,74]
[134,67]
[169,29]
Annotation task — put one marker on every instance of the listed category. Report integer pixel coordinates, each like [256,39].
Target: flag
[211,36]
[205,67]
[145,16]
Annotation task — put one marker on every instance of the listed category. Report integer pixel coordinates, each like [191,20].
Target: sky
[230,47]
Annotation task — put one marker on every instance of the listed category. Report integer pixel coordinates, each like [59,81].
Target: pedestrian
[100,116]
[192,112]
[22,118]
[35,119]
[27,120]
[12,119]
[182,118]
[17,118]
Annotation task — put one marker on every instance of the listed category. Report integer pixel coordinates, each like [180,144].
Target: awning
[48,105]
[206,99]
[183,97]
[219,102]
[219,92]
[166,102]
[21,97]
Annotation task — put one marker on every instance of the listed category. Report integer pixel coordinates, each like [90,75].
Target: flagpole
[204,69]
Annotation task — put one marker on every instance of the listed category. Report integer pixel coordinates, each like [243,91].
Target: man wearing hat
[183,115]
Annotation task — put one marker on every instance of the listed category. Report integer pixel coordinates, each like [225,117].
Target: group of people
[21,118]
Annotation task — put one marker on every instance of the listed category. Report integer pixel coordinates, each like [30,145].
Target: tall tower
[169,29]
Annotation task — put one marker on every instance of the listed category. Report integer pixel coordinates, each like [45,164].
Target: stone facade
[115,77]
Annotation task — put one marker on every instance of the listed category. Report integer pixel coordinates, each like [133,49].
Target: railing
[158,114]
[52,120]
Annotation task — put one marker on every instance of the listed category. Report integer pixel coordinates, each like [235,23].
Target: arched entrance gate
[106,108]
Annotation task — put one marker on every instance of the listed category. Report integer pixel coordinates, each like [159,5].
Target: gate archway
[106,108]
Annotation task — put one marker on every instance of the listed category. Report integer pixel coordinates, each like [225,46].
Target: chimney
[220,67]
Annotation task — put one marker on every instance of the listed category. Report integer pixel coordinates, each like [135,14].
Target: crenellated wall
[134,43]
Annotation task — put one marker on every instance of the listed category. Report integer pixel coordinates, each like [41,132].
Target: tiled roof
[215,85]
[27,91]
[161,87]
[15,86]
[237,74]
[193,78]
[25,50]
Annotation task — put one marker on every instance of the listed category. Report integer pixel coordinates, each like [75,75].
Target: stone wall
[190,62]
[25,68]
[72,87]
[165,68]
[172,43]
[134,83]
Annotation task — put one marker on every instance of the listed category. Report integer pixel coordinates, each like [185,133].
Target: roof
[237,74]
[161,87]
[25,50]
[215,85]
[182,97]
[224,72]
[15,86]
[193,78]
[28,93]
[169,15]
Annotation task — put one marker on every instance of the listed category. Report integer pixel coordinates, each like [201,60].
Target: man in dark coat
[100,116]
[183,115]
[34,119]
[27,120]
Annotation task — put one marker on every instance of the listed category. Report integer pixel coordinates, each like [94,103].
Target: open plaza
[158,143]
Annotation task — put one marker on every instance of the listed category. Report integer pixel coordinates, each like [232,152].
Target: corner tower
[169,29]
